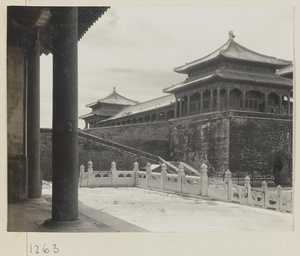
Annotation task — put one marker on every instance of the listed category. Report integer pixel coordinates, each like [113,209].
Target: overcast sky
[136,49]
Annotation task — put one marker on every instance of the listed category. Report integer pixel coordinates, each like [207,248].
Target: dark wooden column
[211,99]
[188,105]
[218,98]
[244,98]
[65,115]
[33,121]
[280,103]
[176,107]
[201,101]
[266,101]
[228,98]
[180,107]
[289,104]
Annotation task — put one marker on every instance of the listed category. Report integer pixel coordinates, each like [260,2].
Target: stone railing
[263,197]
[189,185]
[110,178]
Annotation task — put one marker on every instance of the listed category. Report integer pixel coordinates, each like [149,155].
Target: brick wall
[153,138]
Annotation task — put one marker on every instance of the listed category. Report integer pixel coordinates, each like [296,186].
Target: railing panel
[124,178]
[191,185]
[101,179]
[217,189]
[155,180]
[272,200]
[239,194]
[257,197]
[171,182]
[286,201]
[141,179]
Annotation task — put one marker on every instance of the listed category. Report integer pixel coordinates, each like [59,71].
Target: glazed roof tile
[233,50]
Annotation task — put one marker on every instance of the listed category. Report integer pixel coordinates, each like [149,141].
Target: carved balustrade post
[181,175]
[148,173]
[163,174]
[81,174]
[204,180]
[228,182]
[247,187]
[90,173]
[264,188]
[135,172]
[279,190]
[113,170]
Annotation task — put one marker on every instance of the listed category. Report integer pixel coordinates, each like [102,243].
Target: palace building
[232,77]
[233,111]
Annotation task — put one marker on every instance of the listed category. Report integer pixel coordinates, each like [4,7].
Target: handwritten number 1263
[43,249]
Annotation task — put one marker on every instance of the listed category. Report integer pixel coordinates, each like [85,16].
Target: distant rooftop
[233,50]
[145,106]
[113,98]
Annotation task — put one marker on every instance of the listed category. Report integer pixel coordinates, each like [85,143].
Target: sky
[135,49]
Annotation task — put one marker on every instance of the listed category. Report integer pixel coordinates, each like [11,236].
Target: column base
[78,225]
[54,223]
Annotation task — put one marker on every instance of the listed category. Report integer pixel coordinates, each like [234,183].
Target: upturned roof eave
[190,83]
[219,76]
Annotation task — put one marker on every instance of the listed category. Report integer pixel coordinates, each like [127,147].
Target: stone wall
[202,139]
[254,143]
[153,137]
[101,155]
[245,143]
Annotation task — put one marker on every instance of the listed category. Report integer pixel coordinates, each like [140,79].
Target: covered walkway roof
[27,19]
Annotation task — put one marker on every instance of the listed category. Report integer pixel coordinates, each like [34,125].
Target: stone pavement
[161,211]
[29,216]
[140,210]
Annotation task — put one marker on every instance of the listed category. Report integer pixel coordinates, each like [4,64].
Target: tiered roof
[233,50]
[113,98]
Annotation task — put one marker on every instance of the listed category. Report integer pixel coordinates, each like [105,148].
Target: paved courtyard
[163,212]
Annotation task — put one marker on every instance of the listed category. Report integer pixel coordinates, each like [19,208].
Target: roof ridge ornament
[231,35]
[114,89]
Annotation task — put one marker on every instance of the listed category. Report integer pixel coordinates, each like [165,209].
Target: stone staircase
[172,166]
